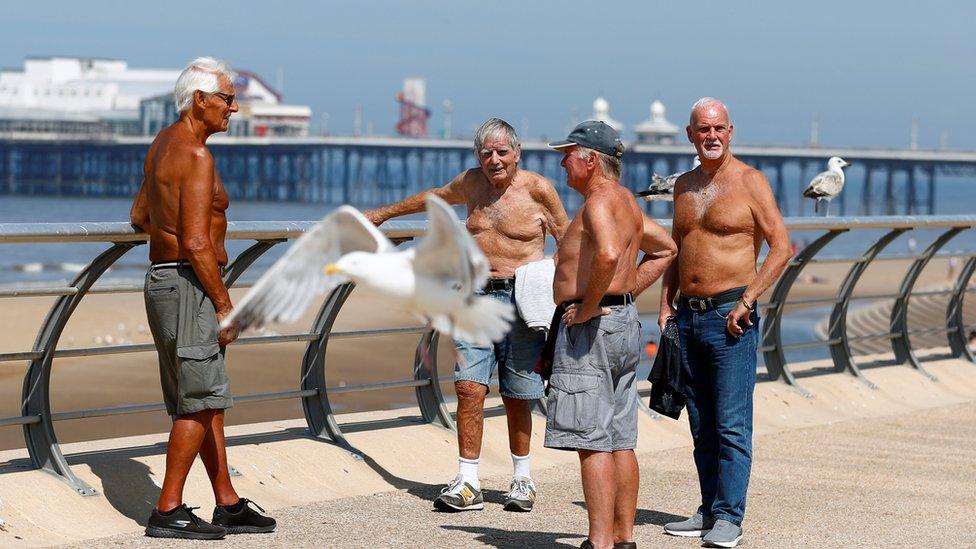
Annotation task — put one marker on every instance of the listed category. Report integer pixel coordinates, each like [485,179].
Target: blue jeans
[721,371]
[515,357]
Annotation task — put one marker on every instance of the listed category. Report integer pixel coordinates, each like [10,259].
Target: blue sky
[864,68]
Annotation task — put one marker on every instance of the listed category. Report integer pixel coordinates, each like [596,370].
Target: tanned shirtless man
[181,205]
[510,212]
[723,212]
[592,388]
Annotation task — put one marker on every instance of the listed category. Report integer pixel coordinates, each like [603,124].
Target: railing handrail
[120,231]
[37,418]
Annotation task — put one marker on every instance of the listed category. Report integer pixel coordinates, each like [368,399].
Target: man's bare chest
[712,209]
[515,214]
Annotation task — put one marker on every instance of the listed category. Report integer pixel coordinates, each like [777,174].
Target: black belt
[607,301]
[181,263]
[496,284]
[706,303]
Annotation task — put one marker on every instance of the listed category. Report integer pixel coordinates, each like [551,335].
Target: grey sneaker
[521,495]
[459,496]
[723,534]
[694,527]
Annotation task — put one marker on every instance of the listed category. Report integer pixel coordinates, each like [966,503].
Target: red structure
[413,118]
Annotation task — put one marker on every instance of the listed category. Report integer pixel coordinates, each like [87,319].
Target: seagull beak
[331,269]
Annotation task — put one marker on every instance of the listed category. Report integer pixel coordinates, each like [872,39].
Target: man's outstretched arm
[452,193]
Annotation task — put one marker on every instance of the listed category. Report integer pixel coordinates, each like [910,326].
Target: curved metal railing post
[837,323]
[42,443]
[900,340]
[955,325]
[430,398]
[318,410]
[772,340]
[246,258]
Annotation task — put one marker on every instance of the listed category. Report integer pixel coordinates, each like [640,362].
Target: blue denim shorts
[515,357]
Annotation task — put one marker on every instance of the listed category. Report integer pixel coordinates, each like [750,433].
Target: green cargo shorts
[184,326]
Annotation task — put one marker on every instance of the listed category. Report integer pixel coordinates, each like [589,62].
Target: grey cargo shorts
[593,391]
[184,326]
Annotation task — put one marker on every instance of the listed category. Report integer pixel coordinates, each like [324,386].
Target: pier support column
[865,208]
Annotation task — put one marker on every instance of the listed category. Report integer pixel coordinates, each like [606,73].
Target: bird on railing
[662,187]
[436,280]
[826,185]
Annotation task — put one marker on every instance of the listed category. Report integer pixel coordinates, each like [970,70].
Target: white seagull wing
[286,290]
[448,251]
[450,257]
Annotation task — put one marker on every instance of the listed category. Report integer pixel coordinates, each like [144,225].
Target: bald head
[708,106]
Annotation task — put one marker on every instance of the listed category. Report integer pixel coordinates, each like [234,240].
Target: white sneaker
[459,496]
[521,495]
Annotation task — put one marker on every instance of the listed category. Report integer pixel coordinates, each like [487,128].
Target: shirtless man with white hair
[510,212]
[723,212]
[181,205]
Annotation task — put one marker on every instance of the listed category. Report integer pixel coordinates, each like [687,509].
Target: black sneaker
[245,521]
[182,523]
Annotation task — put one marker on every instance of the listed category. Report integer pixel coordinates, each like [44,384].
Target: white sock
[521,464]
[468,469]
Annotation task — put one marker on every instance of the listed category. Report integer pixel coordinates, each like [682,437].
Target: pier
[367,171]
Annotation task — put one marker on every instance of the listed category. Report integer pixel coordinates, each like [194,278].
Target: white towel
[533,293]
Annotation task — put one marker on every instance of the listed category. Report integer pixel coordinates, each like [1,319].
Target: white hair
[494,128]
[706,102]
[203,73]
[609,165]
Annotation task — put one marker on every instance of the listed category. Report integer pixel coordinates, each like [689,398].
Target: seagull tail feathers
[482,322]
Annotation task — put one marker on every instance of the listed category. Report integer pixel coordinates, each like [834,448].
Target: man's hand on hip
[739,314]
[576,315]
[667,313]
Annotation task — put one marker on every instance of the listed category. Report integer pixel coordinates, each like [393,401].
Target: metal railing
[38,420]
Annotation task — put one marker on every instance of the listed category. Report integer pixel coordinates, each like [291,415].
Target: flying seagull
[662,187]
[435,280]
[826,185]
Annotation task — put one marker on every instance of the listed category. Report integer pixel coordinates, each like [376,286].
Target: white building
[105,96]
[98,95]
[601,112]
[656,129]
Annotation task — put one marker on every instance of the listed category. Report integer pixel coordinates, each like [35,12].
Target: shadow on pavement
[646,516]
[518,539]
[659,518]
[127,486]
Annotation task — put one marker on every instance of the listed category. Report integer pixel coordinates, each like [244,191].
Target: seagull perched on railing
[435,280]
[826,185]
[662,187]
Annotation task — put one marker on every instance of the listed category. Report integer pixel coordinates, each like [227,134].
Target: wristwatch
[746,304]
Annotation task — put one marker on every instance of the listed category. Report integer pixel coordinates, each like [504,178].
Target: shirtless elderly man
[593,393]
[510,211]
[181,205]
[723,211]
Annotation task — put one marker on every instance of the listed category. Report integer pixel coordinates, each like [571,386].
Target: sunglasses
[227,98]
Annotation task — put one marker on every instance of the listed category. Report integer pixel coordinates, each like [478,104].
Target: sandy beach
[112,380]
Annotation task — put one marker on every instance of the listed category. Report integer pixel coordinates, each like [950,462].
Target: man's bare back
[173,158]
[614,212]
[715,224]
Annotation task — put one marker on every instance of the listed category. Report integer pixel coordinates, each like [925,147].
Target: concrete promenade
[899,481]
[850,467]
